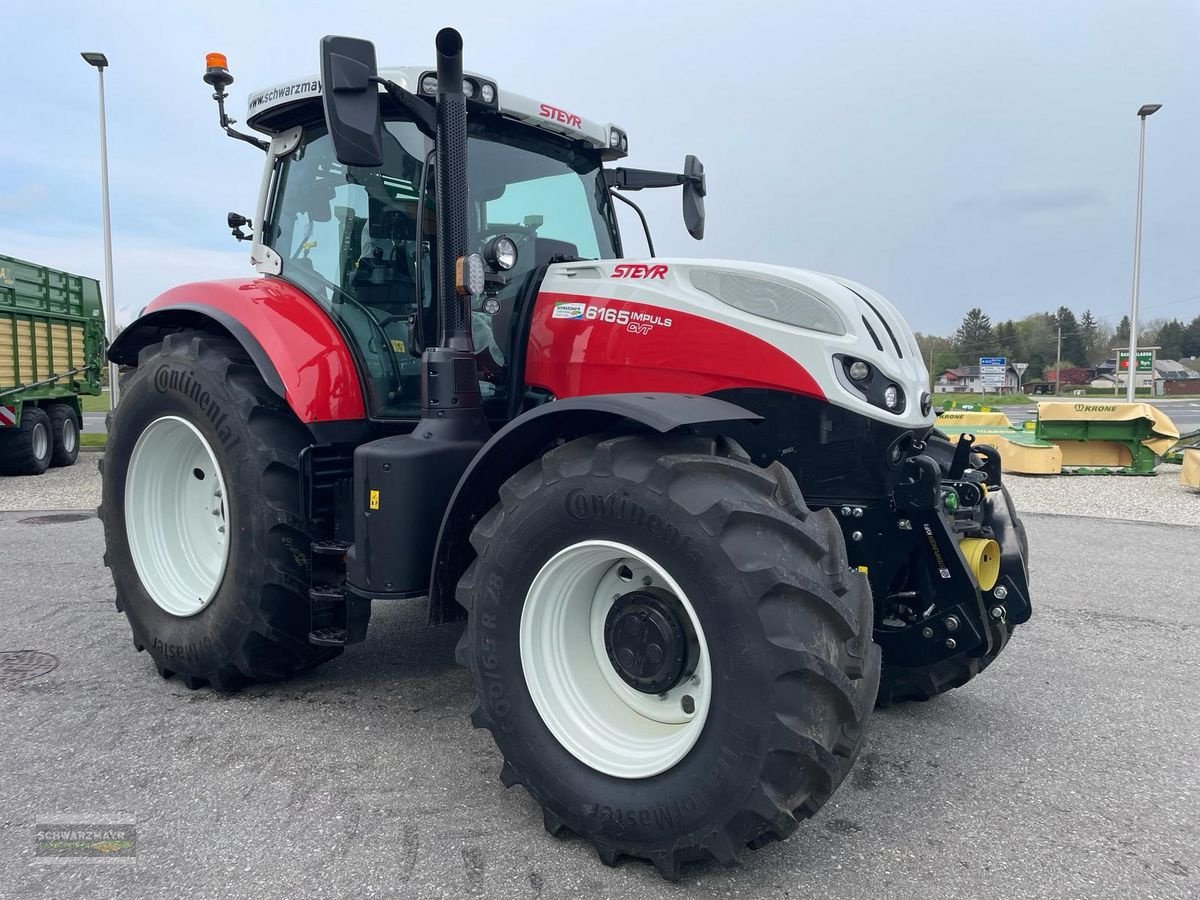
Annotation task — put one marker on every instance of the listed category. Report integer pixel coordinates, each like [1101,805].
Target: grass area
[984,399]
[95,403]
[93,440]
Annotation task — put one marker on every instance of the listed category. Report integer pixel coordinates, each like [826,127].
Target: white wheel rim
[176,516]
[41,441]
[602,721]
[69,435]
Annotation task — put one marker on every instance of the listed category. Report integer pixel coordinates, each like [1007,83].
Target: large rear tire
[26,449]
[753,732]
[203,529]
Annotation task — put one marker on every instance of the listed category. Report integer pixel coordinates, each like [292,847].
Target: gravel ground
[75,487]
[1133,498]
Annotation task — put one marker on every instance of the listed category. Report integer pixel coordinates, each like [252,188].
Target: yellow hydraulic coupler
[983,556]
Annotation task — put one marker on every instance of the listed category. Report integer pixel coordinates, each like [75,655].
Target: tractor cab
[362,240]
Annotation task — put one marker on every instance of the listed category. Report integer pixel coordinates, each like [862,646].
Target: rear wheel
[668,646]
[203,529]
[64,430]
[26,449]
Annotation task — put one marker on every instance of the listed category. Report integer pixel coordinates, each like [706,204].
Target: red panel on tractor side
[639,351]
[308,351]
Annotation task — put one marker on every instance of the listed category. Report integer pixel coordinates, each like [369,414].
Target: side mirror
[694,191]
[351,100]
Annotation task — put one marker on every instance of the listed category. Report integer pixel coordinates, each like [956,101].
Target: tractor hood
[740,323]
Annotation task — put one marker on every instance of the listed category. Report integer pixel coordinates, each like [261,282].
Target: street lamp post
[1147,110]
[100,62]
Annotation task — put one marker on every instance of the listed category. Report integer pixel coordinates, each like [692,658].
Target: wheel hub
[646,640]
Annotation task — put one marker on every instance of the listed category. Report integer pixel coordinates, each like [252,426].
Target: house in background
[967,380]
[1166,371]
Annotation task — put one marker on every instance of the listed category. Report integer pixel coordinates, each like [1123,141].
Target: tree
[1089,331]
[1070,375]
[1007,341]
[1072,335]
[1191,338]
[1121,338]
[974,337]
[1170,339]
[937,352]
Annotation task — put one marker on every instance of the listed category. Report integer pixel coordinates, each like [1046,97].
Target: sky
[949,154]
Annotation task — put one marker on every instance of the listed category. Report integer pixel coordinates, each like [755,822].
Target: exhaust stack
[454,310]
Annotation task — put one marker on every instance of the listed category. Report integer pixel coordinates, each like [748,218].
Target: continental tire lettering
[182,652]
[181,382]
[581,504]
[664,816]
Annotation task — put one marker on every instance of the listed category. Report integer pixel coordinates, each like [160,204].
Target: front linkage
[947,559]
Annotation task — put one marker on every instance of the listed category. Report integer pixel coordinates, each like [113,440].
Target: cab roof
[274,109]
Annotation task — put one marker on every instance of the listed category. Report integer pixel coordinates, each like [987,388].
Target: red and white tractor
[694,513]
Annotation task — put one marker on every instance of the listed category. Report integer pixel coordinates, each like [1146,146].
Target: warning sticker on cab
[569,310]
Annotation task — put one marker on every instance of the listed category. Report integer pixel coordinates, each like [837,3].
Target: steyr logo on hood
[639,270]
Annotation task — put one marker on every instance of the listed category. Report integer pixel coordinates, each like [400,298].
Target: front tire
[203,529]
[784,670]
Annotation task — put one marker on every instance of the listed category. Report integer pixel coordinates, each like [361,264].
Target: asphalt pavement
[1066,770]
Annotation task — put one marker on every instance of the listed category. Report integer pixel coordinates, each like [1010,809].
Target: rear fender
[525,439]
[297,347]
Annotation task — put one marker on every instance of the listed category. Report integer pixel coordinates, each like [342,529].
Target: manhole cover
[22,665]
[56,519]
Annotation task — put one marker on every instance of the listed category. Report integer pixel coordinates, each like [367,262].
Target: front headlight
[770,298]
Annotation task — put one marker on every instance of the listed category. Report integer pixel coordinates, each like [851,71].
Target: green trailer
[51,352]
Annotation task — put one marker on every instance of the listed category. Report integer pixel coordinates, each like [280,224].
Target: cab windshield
[350,237]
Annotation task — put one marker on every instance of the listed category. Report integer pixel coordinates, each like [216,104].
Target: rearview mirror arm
[637,209]
[423,113]
[636,179]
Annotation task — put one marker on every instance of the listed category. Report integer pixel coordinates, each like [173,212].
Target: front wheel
[669,648]
[204,534]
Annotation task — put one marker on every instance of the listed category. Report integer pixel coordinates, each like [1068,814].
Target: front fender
[296,346]
[525,439]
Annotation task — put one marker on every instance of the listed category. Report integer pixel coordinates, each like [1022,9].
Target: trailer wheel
[203,529]
[26,449]
[668,647]
[64,429]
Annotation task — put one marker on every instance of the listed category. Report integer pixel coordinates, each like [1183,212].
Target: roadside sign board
[1145,361]
[993,371]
